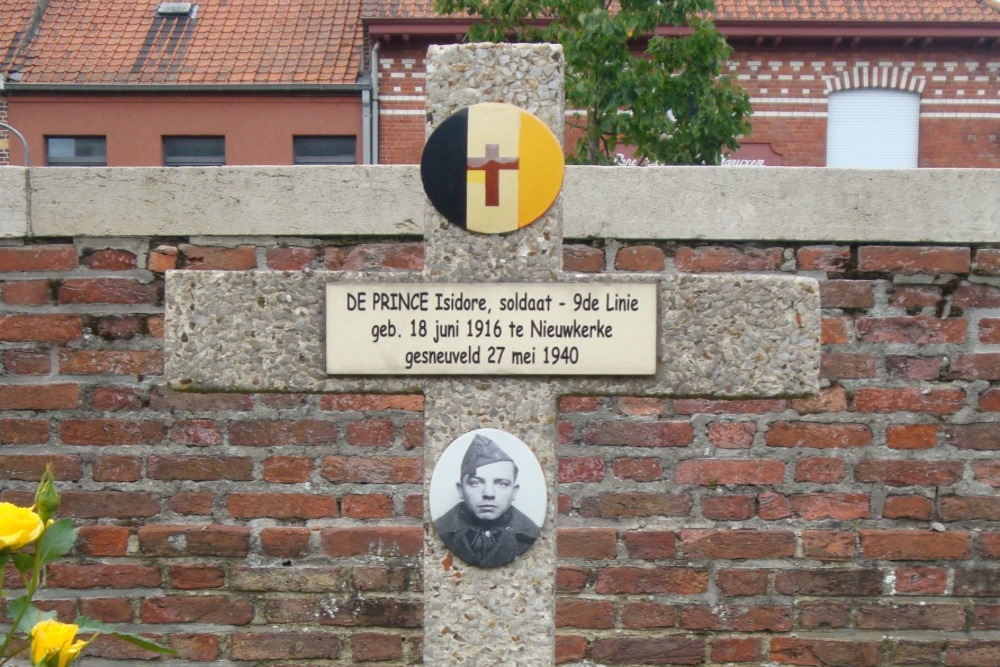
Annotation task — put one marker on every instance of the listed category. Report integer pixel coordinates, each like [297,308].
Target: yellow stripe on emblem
[492,183]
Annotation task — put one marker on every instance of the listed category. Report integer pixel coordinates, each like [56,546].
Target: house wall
[960,100]
[855,527]
[258,128]
[4,134]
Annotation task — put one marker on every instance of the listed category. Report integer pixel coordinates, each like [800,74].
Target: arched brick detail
[895,77]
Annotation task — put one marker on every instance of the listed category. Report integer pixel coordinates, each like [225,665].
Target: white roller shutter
[872,127]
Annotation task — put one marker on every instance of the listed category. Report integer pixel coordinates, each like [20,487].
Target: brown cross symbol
[492,164]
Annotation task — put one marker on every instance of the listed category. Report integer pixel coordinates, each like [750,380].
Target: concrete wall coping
[676,203]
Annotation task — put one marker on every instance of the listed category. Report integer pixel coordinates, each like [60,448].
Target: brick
[333,258]
[571,579]
[119,576]
[582,259]
[619,505]
[284,542]
[24,431]
[731,435]
[366,506]
[124,291]
[977,582]
[570,648]
[41,328]
[216,609]
[909,399]
[941,617]
[726,259]
[197,647]
[385,256]
[915,545]
[972,653]
[579,404]
[828,545]
[917,508]
[38,258]
[639,434]
[192,502]
[735,650]
[115,399]
[296,645]
[291,258]
[103,540]
[909,473]
[240,258]
[638,405]
[915,296]
[914,259]
[822,652]
[919,330]
[847,294]
[817,435]
[901,367]
[737,544]
[742,582]
[376,647]
[26,362]
[987,472]
[823,615]
[117,469]
[651,580]
[986,617]
[640,258]
[108,610]
[713,472]
[385,541]
[384,579]
[200,468]
[196,577]
[580,469]
[111,432]
[299,579]
[731,618]
[589,543]
[162,258]
[196,433]
[846,366]
[26,293]
[921,580]
[371,402]
[203,540]
[990,400]
[372,470]
[370,433]
[820,470]
[650,544]
[976,295]
[646,615]
[582,613]
[281,505]
[383,612]
[829,582]
[969,508]
[820,506]
[823,258]
[111,362]
[109,259]
[175,401]
[288,469]
[413,434]
[728,508]
[988,261]
[833,331]
[989,330]
[667,650]
[29,467]
[984,366]
[263,433]
[984,436]
[110,504]
[691,406]
[911,436]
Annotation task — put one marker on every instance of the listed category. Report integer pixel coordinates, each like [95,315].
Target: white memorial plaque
[491,329]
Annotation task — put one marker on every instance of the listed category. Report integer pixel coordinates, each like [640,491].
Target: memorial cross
[492,164]
[724,336]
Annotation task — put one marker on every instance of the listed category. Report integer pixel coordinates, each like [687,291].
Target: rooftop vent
[176,9]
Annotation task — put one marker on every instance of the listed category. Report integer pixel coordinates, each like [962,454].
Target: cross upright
[725,336]
[493,164]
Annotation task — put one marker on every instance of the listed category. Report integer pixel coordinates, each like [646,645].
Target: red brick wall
[857,527]
[4,134]
[960,100]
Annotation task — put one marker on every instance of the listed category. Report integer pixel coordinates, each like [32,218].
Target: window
[76,151]
[194,151]
[873,127]
[324,150]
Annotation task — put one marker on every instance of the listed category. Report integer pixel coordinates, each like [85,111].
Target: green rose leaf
[91,625]
[57,541]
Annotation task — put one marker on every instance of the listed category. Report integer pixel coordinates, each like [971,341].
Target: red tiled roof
[950,11]
[225,42]
[15,18]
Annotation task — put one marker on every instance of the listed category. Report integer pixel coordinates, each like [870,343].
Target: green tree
[667,95]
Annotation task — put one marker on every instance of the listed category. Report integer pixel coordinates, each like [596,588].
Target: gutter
[166,88]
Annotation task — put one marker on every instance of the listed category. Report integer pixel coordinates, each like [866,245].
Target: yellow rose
[19,526]
[52,638]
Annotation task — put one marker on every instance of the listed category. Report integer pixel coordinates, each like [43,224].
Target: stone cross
[725,336]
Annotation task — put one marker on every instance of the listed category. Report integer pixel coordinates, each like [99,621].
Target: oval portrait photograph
[488,497]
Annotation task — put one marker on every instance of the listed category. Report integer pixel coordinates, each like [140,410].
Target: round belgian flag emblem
[492,168]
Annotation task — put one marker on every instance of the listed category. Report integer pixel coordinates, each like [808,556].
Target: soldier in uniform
[485,529]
